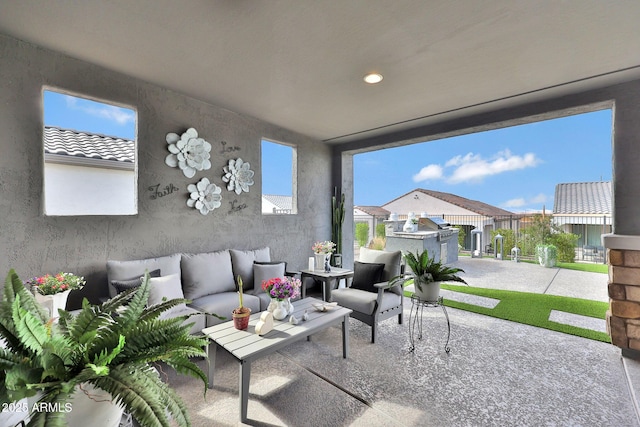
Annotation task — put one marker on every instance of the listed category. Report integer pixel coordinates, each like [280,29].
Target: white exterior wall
[424,203]
[81,190]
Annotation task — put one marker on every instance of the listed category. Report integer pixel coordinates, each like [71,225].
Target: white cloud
[540,198]
[514,203]
[429,172]
[108,112]
[474,168]
[521,201]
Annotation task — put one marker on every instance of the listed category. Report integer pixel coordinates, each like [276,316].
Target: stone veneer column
[623,317]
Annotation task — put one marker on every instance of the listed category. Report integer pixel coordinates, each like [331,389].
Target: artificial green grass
[533,309]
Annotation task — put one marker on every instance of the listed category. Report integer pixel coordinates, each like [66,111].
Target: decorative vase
[280,308]
[427,291]
[319,262]
[90,403]
[52,302]
[241,320]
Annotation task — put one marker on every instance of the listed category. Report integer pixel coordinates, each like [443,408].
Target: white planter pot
[92,406]
[320,260]
[52,302]
[430,291]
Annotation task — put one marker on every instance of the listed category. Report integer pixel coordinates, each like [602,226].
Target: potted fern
[108,347]
[427,274]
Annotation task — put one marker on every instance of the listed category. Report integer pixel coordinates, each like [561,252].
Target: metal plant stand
[418,305]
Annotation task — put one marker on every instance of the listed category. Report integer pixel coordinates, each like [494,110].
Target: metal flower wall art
[204,196]
[238,176]
[188,152]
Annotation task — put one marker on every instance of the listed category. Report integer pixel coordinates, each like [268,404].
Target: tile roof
[376,211]
[582,198]
[67,142]
[282,202]
[478,207]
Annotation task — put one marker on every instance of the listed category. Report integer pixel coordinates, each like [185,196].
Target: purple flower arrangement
[282,287]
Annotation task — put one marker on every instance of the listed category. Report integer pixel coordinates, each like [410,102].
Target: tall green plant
[362,233]
[337,218]
[110,346]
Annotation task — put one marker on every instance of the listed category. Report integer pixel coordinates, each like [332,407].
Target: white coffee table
[246,346]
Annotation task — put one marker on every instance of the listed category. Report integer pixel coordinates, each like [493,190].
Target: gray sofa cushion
[125,270]
[243,264]
[364,301]
[206,274]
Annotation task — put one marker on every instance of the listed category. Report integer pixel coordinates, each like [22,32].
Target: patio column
[623,317]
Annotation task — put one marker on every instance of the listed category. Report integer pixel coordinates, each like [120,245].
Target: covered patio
[292,72]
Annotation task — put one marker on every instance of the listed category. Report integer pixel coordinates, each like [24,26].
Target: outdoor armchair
[369,294]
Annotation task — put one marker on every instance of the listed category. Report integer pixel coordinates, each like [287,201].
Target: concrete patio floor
[498,373]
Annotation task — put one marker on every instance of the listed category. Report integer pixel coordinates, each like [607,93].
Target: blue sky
[70,112]
[515,168]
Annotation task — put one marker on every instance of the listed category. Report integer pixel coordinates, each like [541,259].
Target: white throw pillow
[168,287]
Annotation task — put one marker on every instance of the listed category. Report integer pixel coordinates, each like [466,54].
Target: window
[278,178]
[90,156]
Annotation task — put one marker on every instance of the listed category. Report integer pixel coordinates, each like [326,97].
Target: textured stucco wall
[34,244]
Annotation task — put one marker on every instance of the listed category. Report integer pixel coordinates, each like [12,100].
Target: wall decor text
[229,149]
[235,207]
[157,192]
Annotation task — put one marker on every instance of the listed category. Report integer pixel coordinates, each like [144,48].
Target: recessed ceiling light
[373,78]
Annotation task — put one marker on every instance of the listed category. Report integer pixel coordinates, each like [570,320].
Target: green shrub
[378,243]
[362,233]
[461,235]
[566,244]
[381,230]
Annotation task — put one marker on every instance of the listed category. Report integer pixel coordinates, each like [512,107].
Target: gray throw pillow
[365,275]
[266,270]
[135,282]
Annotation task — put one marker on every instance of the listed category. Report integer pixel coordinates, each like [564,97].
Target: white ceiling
[299,63]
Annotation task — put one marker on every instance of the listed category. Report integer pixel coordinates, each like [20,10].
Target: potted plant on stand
[241,314]
[109,348]
[427,275]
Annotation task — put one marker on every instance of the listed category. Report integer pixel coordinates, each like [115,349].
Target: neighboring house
[584,208]
[88,174]
[459,211]
[275,204]
[372,215]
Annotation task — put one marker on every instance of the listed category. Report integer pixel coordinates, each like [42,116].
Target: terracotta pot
[241,320]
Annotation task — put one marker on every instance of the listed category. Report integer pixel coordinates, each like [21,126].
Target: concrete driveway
[527,277]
